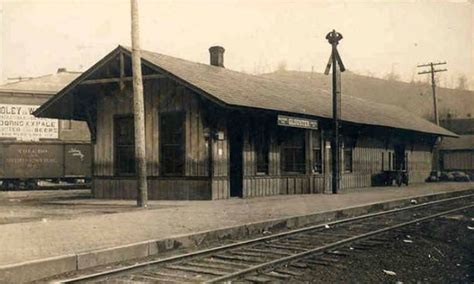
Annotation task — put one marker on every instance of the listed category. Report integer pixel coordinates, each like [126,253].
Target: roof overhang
[62,105]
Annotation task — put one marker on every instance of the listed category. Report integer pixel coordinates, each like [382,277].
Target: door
[400,158]
[236,159]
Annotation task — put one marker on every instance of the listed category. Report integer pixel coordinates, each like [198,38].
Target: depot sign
[297,122]
[17,121]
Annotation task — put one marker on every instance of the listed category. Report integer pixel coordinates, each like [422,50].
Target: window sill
[293,173]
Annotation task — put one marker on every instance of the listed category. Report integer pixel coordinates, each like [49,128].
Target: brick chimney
[217,56]
[62,70]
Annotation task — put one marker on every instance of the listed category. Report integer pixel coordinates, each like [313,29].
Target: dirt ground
[440,251]
[28,206]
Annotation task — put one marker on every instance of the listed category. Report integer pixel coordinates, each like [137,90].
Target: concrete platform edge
[42,268]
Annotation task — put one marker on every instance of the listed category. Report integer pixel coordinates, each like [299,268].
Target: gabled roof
[232,88]
[464,142]
[47,84]
[414,97]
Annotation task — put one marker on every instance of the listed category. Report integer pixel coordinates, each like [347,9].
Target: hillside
[414,97]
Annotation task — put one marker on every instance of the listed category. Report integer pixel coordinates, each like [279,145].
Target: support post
[139,111]
[337,66]
[433,86]
[335,125]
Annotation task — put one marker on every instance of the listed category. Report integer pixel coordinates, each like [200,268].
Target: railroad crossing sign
[335,61]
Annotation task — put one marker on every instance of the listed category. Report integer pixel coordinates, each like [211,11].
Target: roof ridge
[204,64]
[27,80]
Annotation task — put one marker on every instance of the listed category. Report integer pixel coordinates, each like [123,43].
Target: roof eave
[42,110]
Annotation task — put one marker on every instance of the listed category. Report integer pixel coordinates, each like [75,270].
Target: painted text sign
[298,122]
[17,121]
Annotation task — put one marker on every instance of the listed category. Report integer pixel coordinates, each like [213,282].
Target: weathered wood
[120,80]
[138,110]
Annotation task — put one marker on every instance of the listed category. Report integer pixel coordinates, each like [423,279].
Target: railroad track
[269,258]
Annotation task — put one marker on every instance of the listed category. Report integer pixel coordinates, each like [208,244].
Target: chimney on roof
[217,56]
[62,70]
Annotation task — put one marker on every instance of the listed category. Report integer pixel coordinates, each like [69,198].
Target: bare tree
[392,76]
[462,83]
[281,66]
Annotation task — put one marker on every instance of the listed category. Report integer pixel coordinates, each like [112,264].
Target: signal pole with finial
[337,67]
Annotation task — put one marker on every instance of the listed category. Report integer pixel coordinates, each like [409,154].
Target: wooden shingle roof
[240,89]
[232,88]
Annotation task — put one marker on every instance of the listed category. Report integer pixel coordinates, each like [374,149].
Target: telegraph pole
[337,67]
[139,111]
[432,71]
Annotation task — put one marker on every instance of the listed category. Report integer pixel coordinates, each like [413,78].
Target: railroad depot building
[213,133]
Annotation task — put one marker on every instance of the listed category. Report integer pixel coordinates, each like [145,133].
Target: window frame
[316,135]
[117,164]
[262,142]
[347,148]
[289,133]
[180,147]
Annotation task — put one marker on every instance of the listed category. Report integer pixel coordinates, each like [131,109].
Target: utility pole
[139,111]
[432,71]
[337,67]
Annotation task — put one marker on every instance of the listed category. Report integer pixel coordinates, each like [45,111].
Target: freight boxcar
[24,164]
[35,149]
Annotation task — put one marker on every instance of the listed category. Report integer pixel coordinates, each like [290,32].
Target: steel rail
[329,246]
[204,252]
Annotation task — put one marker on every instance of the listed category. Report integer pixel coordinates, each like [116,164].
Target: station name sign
[17,121]
[298,122]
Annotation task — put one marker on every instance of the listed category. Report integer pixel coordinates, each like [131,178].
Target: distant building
[457,154]
[214,133]
[34,149]
[19,98]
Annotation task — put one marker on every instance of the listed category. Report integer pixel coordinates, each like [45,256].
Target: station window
[317,152]
[262,146]
[293,151]
[172,151]
[348,155]
[124,145]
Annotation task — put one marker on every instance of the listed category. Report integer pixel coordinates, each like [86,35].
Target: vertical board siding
[458,160]
[166,189]
[212,178]
[220,186]
[160,96]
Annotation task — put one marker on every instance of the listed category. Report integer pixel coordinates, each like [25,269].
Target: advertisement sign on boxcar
[17,121]
[31,160]
[77,160]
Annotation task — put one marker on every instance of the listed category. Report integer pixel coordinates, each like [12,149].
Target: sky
[380,37]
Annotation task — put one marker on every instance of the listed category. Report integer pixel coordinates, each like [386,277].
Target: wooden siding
[204,179]
[420,163]
[256,185]
[220,162]
[158,189]
[371,156]
[458,160]
[160,96]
